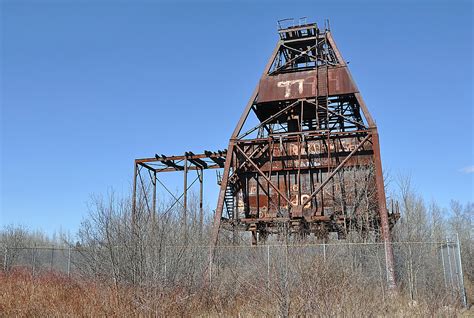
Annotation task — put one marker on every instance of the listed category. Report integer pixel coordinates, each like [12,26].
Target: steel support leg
[185,200]
[254,238]
[154,199]
[383,210]
[134,198]
[201,191]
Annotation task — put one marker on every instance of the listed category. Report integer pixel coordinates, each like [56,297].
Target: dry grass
[52,294]
[55,295]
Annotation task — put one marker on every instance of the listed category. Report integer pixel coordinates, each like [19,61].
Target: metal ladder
[228,197]
[229,201]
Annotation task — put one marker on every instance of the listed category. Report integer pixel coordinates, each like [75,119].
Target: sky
[88,86]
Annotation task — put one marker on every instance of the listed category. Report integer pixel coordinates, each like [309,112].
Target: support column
[153,217]
[185,200]
[220,200]
[134,198]
[201,211]
[254,238]
[382,205]
[154,197]
[134,222]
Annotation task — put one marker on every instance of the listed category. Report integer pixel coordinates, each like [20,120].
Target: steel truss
[186,163]
[313,128]
[288,173]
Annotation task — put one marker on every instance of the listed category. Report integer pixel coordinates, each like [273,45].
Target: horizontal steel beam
[210,155]
[322,134]
[168,169]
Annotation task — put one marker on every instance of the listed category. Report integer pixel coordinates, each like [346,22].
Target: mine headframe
[312,162]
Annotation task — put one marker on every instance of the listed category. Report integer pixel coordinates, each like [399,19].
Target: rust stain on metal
[290,86]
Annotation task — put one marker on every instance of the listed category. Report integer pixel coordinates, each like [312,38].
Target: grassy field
[55,295]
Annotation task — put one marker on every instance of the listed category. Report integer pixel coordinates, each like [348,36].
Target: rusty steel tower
[308,164]
[293,171]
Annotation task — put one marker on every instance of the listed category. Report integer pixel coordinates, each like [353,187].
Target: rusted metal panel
[263,202]
[297,85]
[314,154]
[262,205]
[296,169]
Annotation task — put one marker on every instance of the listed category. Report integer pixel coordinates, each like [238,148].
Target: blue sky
[87,86]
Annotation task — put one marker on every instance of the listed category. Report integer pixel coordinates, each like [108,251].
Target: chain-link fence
[39,259]
[424,270]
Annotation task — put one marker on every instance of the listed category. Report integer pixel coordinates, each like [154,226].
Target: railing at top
[290,23]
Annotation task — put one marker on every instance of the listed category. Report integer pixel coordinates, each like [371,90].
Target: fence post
[69,262]
[379,263]
[386,262]
[461,277]
[52,257]
[410,274]
[166,274]
[33,261]
[210,268]
[444,268]
[268,266]
[450,267]
[324,251]
[5,259]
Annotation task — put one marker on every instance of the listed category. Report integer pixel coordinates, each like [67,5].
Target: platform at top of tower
[298,32]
